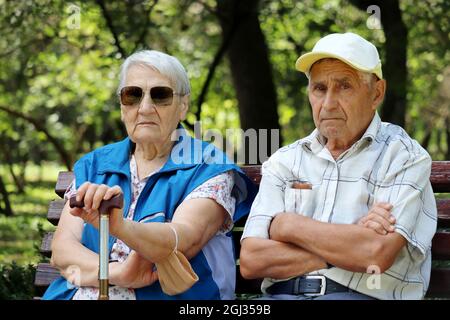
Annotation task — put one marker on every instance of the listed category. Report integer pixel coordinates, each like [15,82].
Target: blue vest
[191,163]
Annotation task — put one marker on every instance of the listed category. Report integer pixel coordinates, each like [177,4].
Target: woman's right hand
[135,272]
[93,194]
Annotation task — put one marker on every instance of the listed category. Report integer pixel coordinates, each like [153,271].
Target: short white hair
[165,64]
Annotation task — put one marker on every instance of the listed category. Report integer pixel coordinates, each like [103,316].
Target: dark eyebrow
[314,83]
[338,80]
[342,80]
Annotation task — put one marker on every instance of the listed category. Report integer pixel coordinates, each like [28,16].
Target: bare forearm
[268,258]
[154,241]
[347,246]
[76,263]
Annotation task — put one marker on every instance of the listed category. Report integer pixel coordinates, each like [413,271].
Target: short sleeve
[406,185]
[218,188]
[268,202]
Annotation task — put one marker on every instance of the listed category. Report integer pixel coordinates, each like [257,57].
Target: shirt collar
[315,142]
[373,129]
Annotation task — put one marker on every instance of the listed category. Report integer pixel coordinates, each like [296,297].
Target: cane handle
[105,205]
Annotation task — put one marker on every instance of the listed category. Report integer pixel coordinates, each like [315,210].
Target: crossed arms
[299,245]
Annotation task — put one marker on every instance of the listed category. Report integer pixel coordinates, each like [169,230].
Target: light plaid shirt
[385,165]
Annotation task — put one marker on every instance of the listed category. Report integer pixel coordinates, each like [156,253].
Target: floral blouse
[218,188]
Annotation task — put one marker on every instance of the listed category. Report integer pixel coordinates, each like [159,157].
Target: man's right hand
[379,219]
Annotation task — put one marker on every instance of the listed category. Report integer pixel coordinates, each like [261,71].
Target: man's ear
[184,106]
[379,92]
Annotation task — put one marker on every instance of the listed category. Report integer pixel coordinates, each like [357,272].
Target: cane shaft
[103,293]
[104,260]
[104,210]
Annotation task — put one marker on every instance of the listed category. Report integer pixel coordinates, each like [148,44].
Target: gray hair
[165,64]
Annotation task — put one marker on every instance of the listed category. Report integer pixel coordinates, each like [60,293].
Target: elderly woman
[188,206]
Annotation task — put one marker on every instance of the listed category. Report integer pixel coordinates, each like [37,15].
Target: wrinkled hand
[93,194]
[135,272]
[379,219]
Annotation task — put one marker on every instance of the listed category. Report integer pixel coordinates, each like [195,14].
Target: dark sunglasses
[161,96]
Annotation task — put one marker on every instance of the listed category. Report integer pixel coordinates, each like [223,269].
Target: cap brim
[305,62]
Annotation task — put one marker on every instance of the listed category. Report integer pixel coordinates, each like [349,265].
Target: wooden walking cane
[104,211]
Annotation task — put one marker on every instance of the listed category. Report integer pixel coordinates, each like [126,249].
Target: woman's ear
[121,114]
[379,92]
[184,106]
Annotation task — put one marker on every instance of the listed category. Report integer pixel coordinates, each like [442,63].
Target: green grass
[20,235]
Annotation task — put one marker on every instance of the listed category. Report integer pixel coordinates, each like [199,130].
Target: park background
[59,63]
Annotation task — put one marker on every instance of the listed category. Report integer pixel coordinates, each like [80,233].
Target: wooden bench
[440,274]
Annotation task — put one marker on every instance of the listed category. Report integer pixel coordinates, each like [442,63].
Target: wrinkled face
[343,105]
[145,122]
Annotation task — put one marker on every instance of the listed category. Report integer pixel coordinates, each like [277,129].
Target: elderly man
[347,212]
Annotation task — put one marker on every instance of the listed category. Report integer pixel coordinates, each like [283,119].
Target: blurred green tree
[59,65]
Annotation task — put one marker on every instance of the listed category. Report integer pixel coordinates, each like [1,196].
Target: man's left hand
[379,219]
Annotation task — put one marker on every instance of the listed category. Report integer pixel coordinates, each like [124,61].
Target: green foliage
[66,77]
[429,74]
[17,282]
[21,234]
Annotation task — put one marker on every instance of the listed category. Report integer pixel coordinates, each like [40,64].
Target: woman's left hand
[93,194]
[135,272]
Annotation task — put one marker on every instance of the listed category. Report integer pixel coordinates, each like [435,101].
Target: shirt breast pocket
[301,201]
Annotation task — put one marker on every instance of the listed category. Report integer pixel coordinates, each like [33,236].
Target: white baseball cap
[348,47]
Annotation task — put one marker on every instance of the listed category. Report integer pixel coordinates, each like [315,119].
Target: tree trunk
[447,130]
[250,68]
[5,197]
[394,108]
[6,150]
[394,66]
[18,181]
